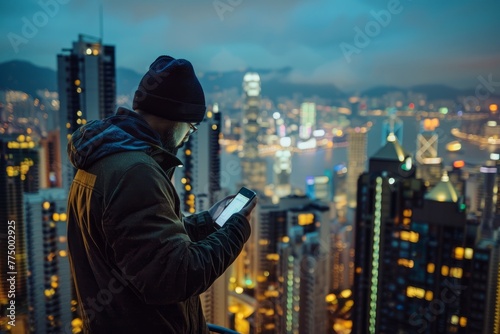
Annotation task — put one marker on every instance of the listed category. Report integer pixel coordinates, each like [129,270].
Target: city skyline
[353,46]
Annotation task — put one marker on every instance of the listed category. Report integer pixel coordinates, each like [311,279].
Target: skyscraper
[356,157]
[386,195]
[16,158]
[254,167]
[430,164]
[49,282]
[87,89]
[307,119]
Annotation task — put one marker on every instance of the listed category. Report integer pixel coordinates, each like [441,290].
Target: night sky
[414,42]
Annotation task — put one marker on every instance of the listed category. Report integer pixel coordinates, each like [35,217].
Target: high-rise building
[87,90]
[50,158]
[303,271]
[49,281]
[282,170]
[386,195]
[254,167]
[430,164]
[16,158]
[483,301]
[307,119]
[356,157]
[488,197]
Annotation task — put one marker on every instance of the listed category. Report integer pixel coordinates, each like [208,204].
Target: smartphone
[241,199]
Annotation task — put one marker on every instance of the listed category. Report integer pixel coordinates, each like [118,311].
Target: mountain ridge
[28,77]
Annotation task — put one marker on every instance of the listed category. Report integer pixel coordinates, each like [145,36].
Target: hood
[125,131]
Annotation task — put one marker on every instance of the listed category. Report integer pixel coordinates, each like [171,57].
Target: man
[139,266]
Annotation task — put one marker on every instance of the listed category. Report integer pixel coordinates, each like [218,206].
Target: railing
[219,329]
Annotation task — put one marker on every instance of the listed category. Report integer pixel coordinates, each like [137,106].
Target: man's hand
[247,209]
[218,207]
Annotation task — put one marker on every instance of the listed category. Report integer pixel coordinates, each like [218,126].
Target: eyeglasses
[192,129]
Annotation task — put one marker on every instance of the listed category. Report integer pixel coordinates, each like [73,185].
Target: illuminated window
[410,236]
[407,213]
[429,295]
[414,292]
[445,270]
[405,263]
[305,219]
[469,252]
[273,257]
[456,272]
[430,268]
[454,320]
[463,321]
[458,253]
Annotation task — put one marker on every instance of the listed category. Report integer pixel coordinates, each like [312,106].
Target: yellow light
[273,257]
[414,292]
[463,321]
[458,253]
[285,239]
[54,285]
[183,180]
[88,51]
[430,268]
[63,253]
[346,293]
[445,270]
[405,263]
[63,217]
[429,295]
[493,108]
[454,320]
[238,290]
[456,272]
[330,298]
[410,236]
[46,205]
[407,213]
[359,270]
[77,82]
[68,125]
[188,152]
[188,187]
[209,114]
[79,113]
[55,217]
[214,127]
[263,242]
[469,252]
[78,90]
[77,322]
[305,219]
[95,52]
[21,138]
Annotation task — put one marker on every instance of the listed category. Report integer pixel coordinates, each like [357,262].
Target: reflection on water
[313,163]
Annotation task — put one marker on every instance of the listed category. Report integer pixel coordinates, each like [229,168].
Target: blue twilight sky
[413,41]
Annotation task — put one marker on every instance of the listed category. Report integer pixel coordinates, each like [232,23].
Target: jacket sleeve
[151,247]
[199,225]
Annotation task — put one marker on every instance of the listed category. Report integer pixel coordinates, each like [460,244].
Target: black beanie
[171,90]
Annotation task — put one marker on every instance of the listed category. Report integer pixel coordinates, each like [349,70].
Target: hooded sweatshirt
[138,264]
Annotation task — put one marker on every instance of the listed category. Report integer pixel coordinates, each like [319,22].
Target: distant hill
[433,92]
[27,77]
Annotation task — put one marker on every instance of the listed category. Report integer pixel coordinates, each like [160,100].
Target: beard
[168,142]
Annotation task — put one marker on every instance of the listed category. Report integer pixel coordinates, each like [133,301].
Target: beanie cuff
[183,112]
